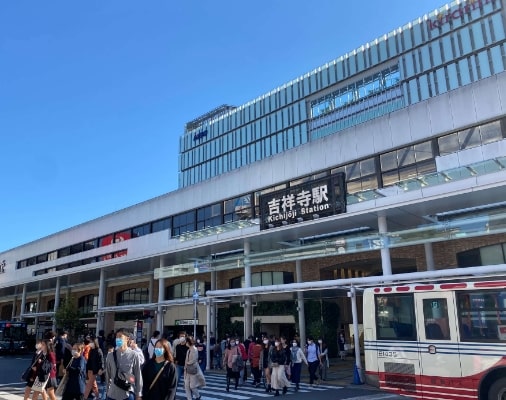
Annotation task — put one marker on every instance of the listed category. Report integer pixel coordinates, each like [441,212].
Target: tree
[68,317]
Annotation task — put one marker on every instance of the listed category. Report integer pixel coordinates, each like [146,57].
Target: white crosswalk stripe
[215,390]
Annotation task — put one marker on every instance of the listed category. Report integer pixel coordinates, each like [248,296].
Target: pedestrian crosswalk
[215,390]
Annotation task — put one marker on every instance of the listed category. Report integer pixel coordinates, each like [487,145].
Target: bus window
[435,316]
[482,315]
[395,317]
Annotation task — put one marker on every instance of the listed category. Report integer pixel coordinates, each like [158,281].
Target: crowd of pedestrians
[154,371]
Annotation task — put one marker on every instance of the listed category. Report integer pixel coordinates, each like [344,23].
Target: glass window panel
[466,40]
[436,322]
[484,64]
[354,186]
[413,91]
[497,60]
[406,156]
[277,278]
[452,76]
[353,171]
[447,49]
[448,144]
[367,166]
[463,67]
[477,35]
[491,132]
[408,172]
[388,161]
[266,278]
[498,27]
[369,182]
[417,34]
[122,236]
[469,138]
[441,80]
[161,225]
[256,279]
[436,54]
[395,317]
[383,50]
[423,151]
[390,178]
[426,61]
[424,87]
[492,255]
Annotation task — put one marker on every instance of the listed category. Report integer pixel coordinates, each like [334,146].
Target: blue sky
[94,94]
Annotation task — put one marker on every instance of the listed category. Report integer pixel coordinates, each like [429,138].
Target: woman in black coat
[162,387]
[94,367]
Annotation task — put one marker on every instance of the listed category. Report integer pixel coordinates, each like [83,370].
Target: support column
[354,313]
[213,307]
[160,315]
[101,302]
[429,256]
[14,304]
[56,302]
[386,262]
[300,304]
[23,303]
[208,335]
[37,310]
[248,311]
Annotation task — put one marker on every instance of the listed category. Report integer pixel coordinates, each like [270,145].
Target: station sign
[184,322]
[310,200]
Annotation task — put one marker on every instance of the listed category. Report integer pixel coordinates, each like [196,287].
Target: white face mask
[92,345]
[38,346]
[276,344]
[294,344]
[266,341]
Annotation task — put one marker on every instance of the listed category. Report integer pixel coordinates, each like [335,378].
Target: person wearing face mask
[297,357]
[264,363]
[180,357]
[277,357]
[255,353]
[313,359]
[40,367]
[192,380]
[159,375]
[94,367]
[231,353]
[76,371]
[123,364]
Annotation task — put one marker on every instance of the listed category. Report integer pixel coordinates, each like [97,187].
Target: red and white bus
[437,341]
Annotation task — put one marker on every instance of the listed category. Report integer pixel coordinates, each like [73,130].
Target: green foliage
[67,317]
[322,321]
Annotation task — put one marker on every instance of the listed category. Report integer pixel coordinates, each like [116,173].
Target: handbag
[63,383]
[39,386]
[191,369]
[28,371]
[123,381]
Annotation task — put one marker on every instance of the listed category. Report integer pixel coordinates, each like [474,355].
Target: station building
[390,158]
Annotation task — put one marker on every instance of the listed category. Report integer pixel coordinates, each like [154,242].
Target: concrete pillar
[429,256]
[212,306]
[101,302]
[160,315]
[386,262]
[56,302]
[23,303]
[300,304]
[248,310]
[14,304]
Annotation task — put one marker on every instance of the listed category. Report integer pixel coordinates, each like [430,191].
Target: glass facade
[458,44]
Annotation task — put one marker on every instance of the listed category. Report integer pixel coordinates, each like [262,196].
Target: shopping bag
[39,386]
[62,385]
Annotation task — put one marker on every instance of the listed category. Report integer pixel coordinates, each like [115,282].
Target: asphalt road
[11,387]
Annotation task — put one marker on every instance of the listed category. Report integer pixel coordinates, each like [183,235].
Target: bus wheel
[498,390]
